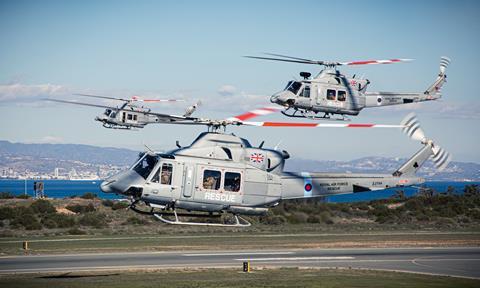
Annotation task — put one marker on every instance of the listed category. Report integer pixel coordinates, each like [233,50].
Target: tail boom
[308,185]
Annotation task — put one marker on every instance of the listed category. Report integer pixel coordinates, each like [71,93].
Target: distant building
[72,174]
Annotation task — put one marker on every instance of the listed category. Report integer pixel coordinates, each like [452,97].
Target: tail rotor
[444,62]
[412,128]
[441,157]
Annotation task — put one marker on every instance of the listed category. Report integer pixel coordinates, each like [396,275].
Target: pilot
[166,176]
[150,161]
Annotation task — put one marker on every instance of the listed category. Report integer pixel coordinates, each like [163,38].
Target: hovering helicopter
[222,173]
[131,115]
[332,93]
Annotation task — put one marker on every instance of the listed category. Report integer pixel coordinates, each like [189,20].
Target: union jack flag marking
[257,158]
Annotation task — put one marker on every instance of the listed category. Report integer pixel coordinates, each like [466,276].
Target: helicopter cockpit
[145,165]
[109,113]
[293,86]
[291,91]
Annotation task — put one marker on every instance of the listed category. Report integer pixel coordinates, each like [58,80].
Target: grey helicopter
[131,115]
[223,174]
[331,93]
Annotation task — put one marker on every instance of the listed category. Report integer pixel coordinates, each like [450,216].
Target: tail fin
[439,156]
[434,89]
[189,111]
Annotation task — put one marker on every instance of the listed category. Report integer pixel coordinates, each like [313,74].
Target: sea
[71,188]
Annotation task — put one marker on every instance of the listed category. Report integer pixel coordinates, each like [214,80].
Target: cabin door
[188,180]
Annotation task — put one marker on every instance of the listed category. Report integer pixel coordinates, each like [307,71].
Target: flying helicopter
[223,174]
[130,114]
[332,93]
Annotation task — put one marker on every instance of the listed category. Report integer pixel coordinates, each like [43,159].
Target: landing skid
[111,126]
[239,221]
[313,116]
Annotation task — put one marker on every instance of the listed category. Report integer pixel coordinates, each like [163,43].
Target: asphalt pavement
[452,261]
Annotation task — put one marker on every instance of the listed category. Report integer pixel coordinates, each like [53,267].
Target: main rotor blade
[134,98]
[99,96]
[255,113]
[368,62]
[160,115]
[318,125]
[140,99]
[159,100]
[290,57]
[285,60]
[80,103]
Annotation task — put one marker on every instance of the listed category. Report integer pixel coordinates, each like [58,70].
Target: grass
[69,225]
[234,241]
[285,277]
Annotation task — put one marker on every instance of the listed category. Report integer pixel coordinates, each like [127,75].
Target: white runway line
[237,254]
[297,258]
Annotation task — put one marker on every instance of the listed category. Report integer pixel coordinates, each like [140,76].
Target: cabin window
[211,179]
[331,94]
[342,95]
[130,117]
[305,92]
[232,181]
[135,117]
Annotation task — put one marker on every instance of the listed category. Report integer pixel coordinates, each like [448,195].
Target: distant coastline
[70,188]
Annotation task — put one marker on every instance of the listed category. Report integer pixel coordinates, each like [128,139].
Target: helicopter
[331,93]
[130,115]
[223,174]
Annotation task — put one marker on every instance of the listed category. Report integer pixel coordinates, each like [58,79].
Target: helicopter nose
[283,98]
[123,183]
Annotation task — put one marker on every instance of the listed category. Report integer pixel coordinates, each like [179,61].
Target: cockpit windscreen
[293,86]
[146,165]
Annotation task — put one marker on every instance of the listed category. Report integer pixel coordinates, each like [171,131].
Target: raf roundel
[308,187]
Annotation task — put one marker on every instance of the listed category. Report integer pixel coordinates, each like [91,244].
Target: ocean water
[66,188]
[56,188]
[438,186]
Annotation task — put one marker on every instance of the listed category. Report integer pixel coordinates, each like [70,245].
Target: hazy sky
[193,49]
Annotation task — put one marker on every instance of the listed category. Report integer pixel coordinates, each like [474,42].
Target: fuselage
[221,172]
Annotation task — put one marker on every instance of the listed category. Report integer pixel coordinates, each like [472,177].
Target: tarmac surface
[452,261]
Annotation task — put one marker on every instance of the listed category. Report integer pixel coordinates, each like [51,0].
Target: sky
[193,50]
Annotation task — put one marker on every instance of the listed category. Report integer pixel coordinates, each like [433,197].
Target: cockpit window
[164,174]
[293,86]
[305,92]
[107,112]
[288,84]
[146,165]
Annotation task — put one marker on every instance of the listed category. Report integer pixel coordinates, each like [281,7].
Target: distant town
[85,162]
[91,173]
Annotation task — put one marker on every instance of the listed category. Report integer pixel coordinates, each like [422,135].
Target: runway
[460,262]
